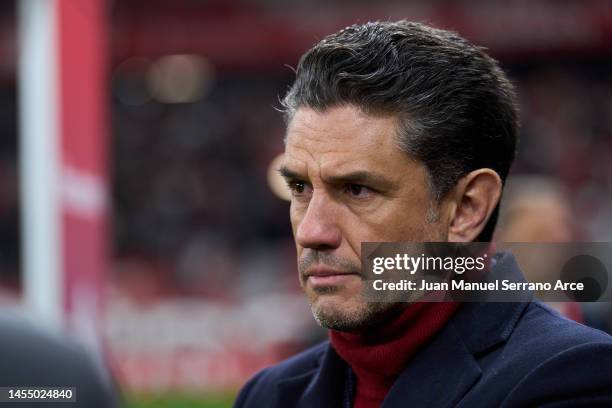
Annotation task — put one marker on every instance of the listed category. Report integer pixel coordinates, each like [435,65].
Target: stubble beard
[331,313]
[363,315]
[368,315]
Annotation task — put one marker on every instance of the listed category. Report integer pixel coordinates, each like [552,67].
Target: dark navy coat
[488,355]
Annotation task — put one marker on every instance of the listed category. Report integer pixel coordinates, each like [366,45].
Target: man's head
[395,132]
[535,209]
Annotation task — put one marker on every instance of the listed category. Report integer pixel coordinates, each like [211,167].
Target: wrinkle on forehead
[325,126]
[342,139]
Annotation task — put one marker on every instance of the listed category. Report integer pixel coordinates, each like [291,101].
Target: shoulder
[560,361]
[542,326]
[263,384]
[33,357]
[23,345]
[540,334]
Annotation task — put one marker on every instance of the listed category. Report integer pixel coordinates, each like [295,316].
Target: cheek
[402,221]
[294,217]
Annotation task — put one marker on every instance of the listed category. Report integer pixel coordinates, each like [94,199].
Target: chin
[335,313]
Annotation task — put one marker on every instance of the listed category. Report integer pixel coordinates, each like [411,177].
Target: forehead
[343,137]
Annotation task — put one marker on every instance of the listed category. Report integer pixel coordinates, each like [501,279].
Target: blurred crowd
[191,197]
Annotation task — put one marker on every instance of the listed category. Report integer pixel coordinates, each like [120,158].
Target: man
[402,132]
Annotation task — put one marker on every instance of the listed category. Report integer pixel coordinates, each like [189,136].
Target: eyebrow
[356,177]
[289,174]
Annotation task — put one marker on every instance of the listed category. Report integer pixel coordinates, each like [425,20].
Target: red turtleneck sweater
[378,356]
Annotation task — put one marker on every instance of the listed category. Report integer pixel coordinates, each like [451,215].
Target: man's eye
[297,187]
[357,190]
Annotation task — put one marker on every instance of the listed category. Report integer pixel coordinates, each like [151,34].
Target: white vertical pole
[39,161]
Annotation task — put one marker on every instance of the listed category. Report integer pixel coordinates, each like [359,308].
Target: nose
[319,228]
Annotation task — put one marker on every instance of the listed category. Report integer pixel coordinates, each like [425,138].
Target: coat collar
[322,387]
[438,376]
[483,325]
[445,370]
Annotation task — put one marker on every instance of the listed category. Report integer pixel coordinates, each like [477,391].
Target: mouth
[321,276]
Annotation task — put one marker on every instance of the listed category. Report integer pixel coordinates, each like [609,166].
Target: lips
[323,276]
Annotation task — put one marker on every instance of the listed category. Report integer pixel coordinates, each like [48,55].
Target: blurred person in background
[537,209]
[32,358]
[402,132]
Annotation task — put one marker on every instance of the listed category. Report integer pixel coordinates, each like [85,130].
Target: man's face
[350,184]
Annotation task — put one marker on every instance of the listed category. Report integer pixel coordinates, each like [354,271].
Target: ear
[474,197]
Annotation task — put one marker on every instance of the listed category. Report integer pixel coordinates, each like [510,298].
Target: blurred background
[136,139]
